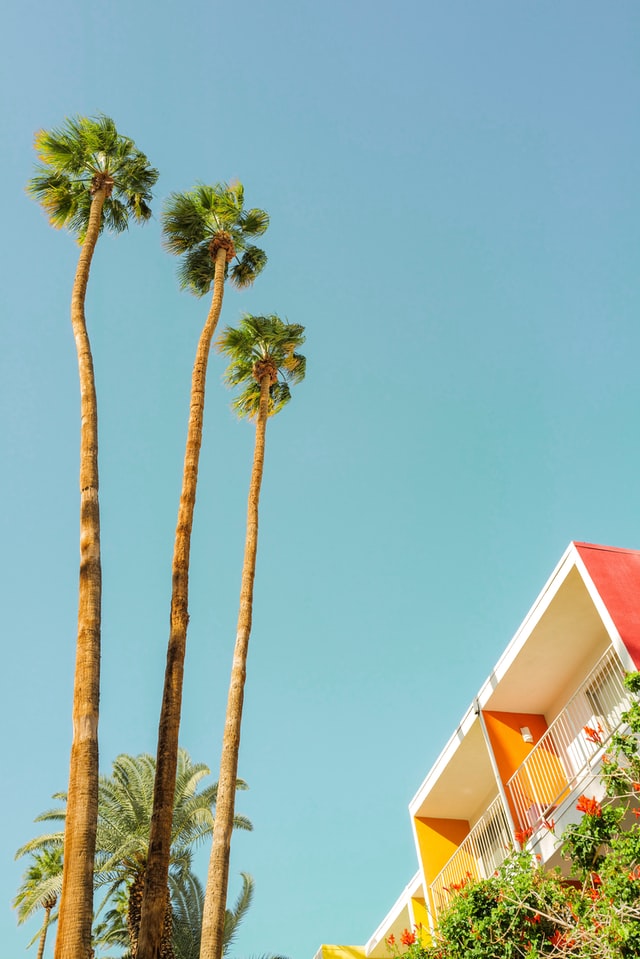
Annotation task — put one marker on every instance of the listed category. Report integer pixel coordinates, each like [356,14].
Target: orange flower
[391,940]
[594,735]
[521,835]
[561,940]
[589,806]
[407,938]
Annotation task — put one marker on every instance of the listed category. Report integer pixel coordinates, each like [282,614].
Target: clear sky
[453,189]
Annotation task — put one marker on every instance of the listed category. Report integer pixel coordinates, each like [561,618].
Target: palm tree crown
[262,345]
[81,157]
[197,223]
[41,882]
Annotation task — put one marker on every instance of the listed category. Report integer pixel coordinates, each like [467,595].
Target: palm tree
[210,229]
[89,178]
[122,842]
[263,361]
[41,885]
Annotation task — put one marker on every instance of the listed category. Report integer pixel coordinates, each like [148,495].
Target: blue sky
[455,219]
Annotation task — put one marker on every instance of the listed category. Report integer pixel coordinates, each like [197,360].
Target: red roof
[616,575]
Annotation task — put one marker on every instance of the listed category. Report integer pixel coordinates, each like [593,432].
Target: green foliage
[125,800]
[79,156]
[190,223]
[41,882]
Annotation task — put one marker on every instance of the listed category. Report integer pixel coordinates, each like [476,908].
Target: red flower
[594,735]
[549,824]
[561,940]
[636,812]
[407,938]
[521,835]
[635,787]
[635,873]
[589,806]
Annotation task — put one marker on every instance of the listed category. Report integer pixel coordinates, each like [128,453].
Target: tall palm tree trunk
[43,931]
[212,941]
[154,899]
[73,940]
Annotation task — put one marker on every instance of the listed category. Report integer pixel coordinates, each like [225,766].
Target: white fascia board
[403,902]
[551,587]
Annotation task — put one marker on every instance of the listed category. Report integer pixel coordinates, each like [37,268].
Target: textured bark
[215,902]
[134,912]
[73,940]
[153,905]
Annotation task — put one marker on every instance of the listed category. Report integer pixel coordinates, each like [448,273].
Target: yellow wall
[343,952]
[422,919]
[438,839]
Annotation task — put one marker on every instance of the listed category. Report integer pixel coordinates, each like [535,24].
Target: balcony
[559,760]
[478,856]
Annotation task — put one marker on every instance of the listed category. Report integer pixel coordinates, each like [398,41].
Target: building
[530,743]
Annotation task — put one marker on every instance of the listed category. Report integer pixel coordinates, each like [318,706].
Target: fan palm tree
[122,843]
[89,178]
[40,887]
[210,229]
[264,359]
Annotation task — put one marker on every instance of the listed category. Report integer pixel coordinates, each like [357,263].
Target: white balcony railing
[478,856]
[559,759]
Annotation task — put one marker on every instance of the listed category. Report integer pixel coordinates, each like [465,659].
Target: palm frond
[184,223]
[196,270]
[247,403]
[236,913]
[245,270]
[253,222]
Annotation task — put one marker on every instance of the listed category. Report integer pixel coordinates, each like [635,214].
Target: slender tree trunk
[43,931]
[215,901]
[73,940]
[154,899]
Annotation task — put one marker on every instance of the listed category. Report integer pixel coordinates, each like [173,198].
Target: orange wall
[509,748]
